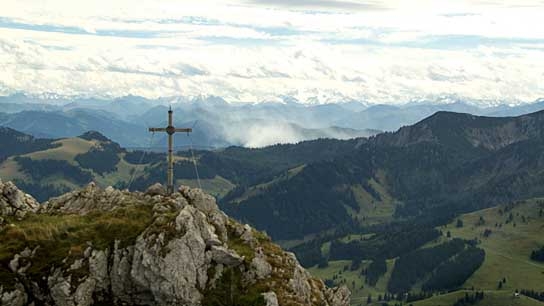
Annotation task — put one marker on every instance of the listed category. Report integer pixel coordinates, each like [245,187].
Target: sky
[318,51]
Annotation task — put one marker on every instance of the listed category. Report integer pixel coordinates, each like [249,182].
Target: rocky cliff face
[111,247]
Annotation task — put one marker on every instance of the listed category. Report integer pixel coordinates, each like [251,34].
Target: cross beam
[170,130]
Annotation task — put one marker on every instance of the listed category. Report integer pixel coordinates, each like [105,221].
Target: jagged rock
[16,297]
[14,263]
[196,197]
[84,293]
[156,189]
[179,255]
[120,273]
[174,270]
[109,190]
[60,289]
[89,199]
[21,262]
[300,284]
[270,299]
[338,296]
[247,236]
[259,264]
[224,256]
[98,269]
[78,264]
[14,202]
[219,221]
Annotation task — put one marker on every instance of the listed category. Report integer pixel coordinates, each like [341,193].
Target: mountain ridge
[226,123]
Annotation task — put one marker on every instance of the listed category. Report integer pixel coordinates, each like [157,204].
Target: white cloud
[381,51]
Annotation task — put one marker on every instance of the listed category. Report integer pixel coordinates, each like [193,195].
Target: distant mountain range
[218,123]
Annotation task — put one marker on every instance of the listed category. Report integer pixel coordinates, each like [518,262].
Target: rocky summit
[109,247]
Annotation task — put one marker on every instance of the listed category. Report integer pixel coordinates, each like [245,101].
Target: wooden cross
[170,130]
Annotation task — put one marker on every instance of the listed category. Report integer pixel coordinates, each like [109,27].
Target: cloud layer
[260,50]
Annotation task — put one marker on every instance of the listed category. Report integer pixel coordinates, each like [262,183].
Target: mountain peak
[94,135]
[465,132]
[106,246]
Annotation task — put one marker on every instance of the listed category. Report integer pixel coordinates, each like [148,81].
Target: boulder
[224,256]
[156,189]
[196,197]
[270,299]
[14,202]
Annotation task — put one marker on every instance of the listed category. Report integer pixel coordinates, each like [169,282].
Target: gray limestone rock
[84,293]
[17,297]
[339,296]
[156,189]
[60,289]
[196,197]
[270,299]
[14,202]
[259,264]
[224,256]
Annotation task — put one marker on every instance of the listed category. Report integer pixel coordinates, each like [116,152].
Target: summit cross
[170,130]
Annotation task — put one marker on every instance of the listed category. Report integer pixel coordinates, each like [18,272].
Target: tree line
[416,265]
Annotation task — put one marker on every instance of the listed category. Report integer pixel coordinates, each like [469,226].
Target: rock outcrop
[14,202]
[121,248]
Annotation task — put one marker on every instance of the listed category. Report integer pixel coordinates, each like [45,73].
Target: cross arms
[187,130]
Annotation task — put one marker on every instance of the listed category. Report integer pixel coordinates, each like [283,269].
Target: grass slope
[491,298]
[218,186]
[507,248]
[69,148]
[377,208]
[9,170]
[339,271]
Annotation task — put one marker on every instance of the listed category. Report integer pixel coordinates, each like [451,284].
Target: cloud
[322,4]
[261,50]
[260,72]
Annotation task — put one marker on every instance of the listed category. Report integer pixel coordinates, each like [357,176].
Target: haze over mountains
[219,123]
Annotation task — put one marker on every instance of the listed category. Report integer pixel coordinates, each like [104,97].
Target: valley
[507,257]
